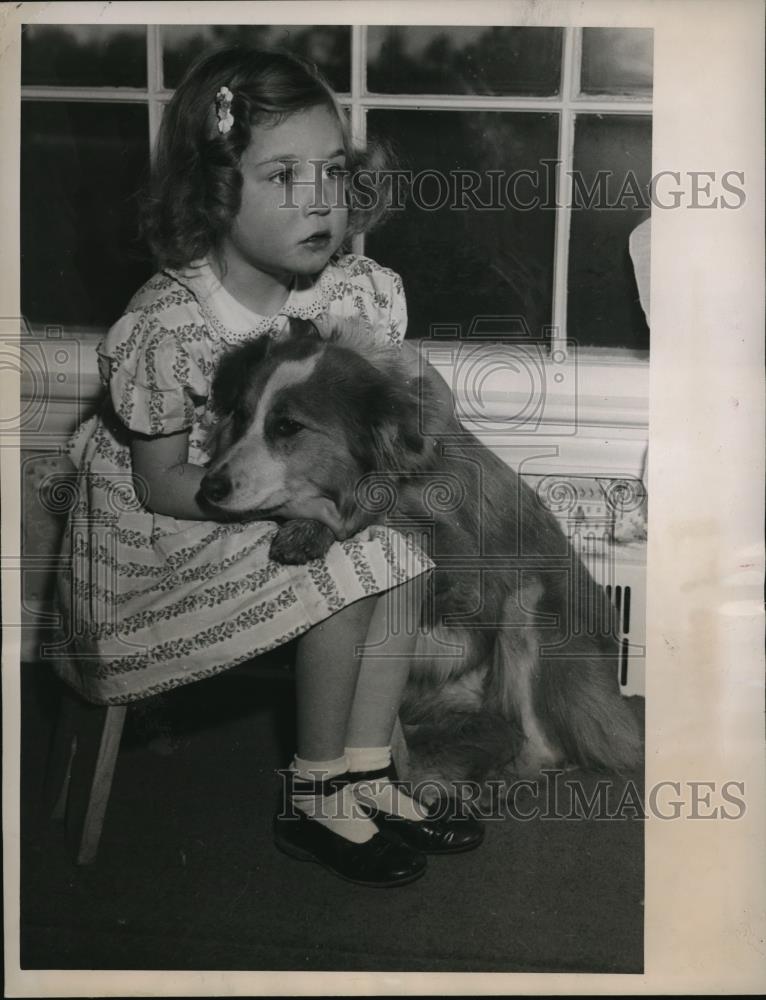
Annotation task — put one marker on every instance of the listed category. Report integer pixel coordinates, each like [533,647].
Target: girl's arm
[164,481]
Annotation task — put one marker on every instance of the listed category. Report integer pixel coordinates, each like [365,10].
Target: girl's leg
[385,667]
[333,830]
[327,668]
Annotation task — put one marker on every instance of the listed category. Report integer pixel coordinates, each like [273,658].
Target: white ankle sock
[339,811]
[381,792]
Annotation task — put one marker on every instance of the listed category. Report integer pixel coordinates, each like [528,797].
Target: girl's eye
[335,170]
[285,427]
[283,176]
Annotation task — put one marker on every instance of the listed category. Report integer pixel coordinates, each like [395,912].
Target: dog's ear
[235,371]
[338,332]
[419,410]
[438,414]
[397,440]
[304,328]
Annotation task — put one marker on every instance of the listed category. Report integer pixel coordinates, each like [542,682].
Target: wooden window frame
[615,379]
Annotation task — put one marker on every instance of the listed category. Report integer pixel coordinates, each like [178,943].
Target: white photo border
[704,926]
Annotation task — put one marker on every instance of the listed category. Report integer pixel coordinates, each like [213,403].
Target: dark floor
[187,877]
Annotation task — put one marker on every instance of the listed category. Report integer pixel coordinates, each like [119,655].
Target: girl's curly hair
[195,185]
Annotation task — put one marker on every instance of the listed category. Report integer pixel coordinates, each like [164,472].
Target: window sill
[588,407]
[526,390]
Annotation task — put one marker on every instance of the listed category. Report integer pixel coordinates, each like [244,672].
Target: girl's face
[293,215]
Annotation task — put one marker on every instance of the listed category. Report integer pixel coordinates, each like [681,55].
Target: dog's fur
[510,671]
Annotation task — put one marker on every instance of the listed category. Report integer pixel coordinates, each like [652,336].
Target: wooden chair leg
[98,743]
[59,767]
[84,755]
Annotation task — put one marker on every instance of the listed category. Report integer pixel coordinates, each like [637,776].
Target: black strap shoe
[378,863]
[446,829]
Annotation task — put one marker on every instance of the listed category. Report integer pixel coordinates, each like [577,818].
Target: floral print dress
[148,601]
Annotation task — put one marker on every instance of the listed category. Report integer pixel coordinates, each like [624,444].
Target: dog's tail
[579,696]
[566,699]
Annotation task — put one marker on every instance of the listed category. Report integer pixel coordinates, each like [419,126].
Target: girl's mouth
[318,241]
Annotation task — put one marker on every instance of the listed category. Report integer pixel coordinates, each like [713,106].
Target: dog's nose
[216,487]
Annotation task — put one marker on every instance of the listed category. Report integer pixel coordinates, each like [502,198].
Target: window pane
[475,60]
[617,61]
[460,261]
[603,298]
[83,55]
[329,46]
[80,167]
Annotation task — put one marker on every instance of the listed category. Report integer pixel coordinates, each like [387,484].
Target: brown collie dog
[516,664]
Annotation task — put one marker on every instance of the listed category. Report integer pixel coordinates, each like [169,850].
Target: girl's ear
[234,373]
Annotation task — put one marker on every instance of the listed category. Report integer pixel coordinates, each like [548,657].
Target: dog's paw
[300,541]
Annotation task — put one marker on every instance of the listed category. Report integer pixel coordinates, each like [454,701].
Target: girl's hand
[167,484]
[164,481]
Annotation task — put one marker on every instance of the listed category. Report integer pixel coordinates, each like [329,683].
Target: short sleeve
[154,379]
[365,293]
[397,317]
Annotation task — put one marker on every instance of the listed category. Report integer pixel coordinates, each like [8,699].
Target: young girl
[247,219]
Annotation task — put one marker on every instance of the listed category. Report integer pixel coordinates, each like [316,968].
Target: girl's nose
[322,194]
[318,201]
[318,205]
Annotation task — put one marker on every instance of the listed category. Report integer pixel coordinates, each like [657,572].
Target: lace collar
[233,322]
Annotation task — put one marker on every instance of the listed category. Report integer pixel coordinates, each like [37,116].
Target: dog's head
[303,419]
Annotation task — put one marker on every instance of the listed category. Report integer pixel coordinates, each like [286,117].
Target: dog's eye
[285,427]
